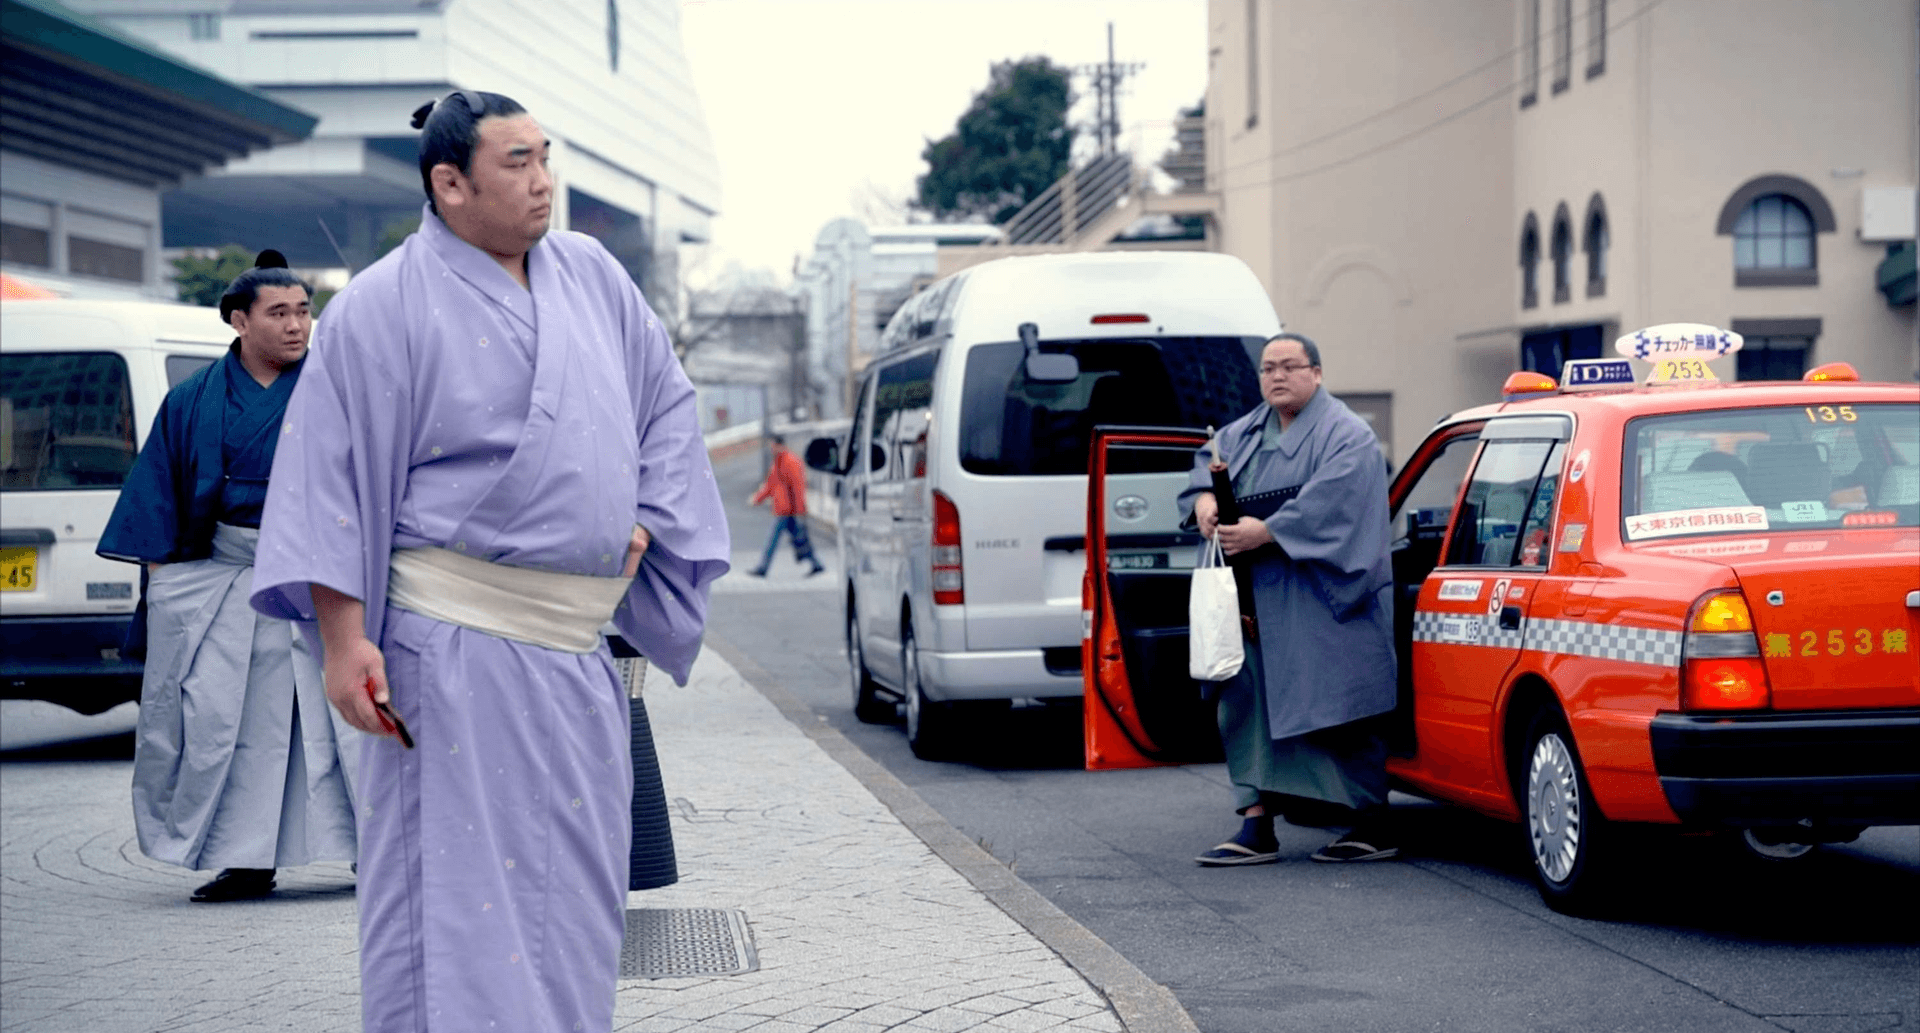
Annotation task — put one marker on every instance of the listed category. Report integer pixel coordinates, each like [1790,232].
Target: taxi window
[1537,530]
[1429,502]
[1500,499]
[1781,468]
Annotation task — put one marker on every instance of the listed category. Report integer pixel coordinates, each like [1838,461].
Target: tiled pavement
[859,924]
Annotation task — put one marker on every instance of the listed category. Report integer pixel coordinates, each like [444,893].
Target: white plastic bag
[1214,649]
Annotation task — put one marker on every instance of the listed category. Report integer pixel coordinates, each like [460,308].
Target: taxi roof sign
[1679,341]
[1595,374]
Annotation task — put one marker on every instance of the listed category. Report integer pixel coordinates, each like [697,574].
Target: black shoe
[817,569]
[758,572]
[236,884]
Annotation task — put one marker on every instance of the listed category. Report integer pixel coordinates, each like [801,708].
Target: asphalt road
[1453,937]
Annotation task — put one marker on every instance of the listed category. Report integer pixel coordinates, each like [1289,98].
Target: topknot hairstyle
[269,270]
[450,127]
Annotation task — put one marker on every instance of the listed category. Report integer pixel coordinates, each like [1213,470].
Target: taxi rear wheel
[1567,839]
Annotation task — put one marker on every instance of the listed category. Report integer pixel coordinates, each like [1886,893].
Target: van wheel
[867,704]
[1568,841]
[929,724]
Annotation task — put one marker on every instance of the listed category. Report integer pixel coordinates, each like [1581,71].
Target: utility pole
[1106,89]
[853,341]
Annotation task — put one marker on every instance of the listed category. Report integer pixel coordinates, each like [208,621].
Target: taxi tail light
[1832,371]
[949,582]
[1721,667]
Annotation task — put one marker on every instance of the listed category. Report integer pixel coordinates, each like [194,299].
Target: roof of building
[80,94]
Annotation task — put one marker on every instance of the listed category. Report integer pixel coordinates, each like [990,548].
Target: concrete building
[97,125]
[746,351]
[607,80]
[854,282]
[1443,192]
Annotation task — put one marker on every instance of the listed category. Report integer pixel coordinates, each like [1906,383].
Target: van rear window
[66,421]
[1011,426]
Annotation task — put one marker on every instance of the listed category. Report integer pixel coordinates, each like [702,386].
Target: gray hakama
[1294,720]
[229,694]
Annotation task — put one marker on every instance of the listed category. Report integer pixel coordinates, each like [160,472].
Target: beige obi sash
[540,607]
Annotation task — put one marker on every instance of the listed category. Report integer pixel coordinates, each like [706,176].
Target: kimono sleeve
[339,466]
[147,521]
[1336,528]
[665,612]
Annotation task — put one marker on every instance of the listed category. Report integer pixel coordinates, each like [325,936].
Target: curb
[1142,1005]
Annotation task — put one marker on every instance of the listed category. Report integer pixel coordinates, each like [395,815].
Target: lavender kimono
[445,405]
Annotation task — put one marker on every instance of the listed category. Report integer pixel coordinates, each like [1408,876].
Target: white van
[80,382]
[963,488]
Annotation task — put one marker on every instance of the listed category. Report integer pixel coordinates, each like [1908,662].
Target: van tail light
[1721,667]
[949,583]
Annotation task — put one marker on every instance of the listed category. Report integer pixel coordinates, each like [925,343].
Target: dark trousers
[796,527]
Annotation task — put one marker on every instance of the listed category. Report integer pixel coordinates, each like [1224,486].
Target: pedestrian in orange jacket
[786,485]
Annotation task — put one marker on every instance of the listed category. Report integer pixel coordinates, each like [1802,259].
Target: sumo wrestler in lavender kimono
[492,452]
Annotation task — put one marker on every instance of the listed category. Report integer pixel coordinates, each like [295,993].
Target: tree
[202,278]
[1011,144]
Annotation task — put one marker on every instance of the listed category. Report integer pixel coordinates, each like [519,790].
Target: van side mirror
[823,454]
[877,458]
[1044,368]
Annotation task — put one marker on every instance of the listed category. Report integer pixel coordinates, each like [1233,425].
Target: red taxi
[1680,603]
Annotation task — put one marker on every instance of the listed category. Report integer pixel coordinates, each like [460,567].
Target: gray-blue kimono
[1323,602]
[238,761]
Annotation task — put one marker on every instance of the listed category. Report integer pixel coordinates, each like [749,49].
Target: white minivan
[80,382]
[963,479]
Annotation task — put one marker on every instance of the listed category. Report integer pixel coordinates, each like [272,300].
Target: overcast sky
[818,108]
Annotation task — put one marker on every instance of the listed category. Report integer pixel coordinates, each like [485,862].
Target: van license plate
[1137,561]
[18,568]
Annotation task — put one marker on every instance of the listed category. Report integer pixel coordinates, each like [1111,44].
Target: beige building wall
[1375,165]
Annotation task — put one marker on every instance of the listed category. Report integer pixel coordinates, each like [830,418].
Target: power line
[1420,130]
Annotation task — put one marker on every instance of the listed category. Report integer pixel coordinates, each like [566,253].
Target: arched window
[1595,245]
[1774,232]
[1773,221]
[1529,261]
[1562,255]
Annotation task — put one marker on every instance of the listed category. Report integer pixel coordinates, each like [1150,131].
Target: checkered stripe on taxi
[1574,638]
[1446,628]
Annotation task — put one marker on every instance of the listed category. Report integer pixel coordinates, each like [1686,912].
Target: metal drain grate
[663,943]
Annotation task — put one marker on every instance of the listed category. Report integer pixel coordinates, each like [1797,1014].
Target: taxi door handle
[1510,618]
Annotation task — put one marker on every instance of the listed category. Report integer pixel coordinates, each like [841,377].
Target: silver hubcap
[1775,851]
[856,663]
[910,661]
[1553,808]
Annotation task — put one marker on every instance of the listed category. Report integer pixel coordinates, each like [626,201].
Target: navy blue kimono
[205,462]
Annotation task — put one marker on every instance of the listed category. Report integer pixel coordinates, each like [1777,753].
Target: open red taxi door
[1142,710]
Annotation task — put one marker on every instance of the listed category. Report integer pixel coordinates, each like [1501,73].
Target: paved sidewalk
[860,925]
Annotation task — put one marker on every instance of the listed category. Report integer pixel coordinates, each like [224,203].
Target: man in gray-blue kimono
[1319,654]
[239,763]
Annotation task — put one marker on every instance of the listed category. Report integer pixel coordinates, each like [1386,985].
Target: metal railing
[1079,199]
